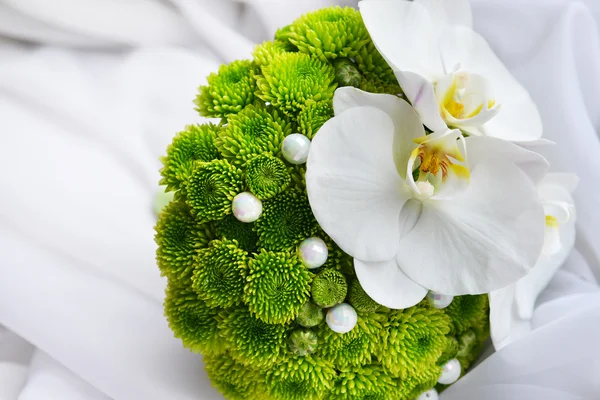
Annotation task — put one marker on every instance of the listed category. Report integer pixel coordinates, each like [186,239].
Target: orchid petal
[348,97]
[385,283]
[511,308]
[448,12]
[505,324]
[519,119]
[483,240]
[531,163]
[354,189]
[404,34]
[555,188]
[420,93]
[566,181]
[407,123]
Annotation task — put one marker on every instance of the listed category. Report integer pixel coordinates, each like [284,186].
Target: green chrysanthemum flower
[346,73]
[373,84]
[233,229]
[295,79]
[228,91]
[277,285]
[470,345]
[298,174]
[370,382]
[309,315]
[255,130]
[467,311]
[265,53]
[312,117]
[466,342]
[450,352]
[195,143]
[328,33]
[219,275]
[178,236]
[234,380]
[302,342]
[192,320]
[211,189]
[252,341]
[267,176]
[415,337]
[329,288]
[300,378]
[286,221]
[359,299]
[373,66]
[421,381]
[337,258]
[356,347]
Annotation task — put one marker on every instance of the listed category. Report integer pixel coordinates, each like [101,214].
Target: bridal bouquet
[366,208]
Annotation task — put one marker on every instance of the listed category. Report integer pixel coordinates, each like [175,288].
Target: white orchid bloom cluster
[459,208]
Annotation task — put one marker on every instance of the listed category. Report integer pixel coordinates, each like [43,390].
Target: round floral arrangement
[360,202]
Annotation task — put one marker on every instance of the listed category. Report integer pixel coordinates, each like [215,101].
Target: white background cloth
[91,92]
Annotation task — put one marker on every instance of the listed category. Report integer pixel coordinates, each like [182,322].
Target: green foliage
[359,299]
[233,229]
[277,286]
[328,33]
[329,288]
[194,144]
[295,79]
[302,342]
[309,315]
[178,236]
[312,117]
[228,91]
[219,275]
[234,380]
[192,320]
[415,338]
[255,130]
[237,291]
[286,221]
[211,189]
[252,341]
[267,176]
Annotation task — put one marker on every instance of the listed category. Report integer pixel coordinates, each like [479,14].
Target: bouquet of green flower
[360,202]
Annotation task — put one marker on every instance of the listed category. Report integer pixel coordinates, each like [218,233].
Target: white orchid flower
[447,71]
[423,212]
[511,308]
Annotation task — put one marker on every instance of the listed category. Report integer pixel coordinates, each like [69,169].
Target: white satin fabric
[91,91]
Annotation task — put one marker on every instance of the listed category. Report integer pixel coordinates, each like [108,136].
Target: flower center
[436,160]
[433,161]
[465,97]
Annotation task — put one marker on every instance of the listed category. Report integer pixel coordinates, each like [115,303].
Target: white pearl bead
[450,372]
[342,318]
[295,148]
[439,300]
[246,207]
[313,252]
[431,394]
